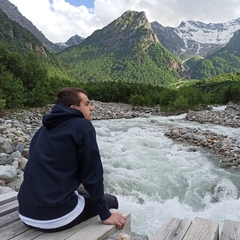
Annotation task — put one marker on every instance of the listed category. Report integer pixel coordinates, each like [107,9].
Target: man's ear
[72,106]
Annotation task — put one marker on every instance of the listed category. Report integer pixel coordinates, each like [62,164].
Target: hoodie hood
[59,114]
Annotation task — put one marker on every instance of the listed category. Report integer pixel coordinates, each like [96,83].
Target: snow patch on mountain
[217,33]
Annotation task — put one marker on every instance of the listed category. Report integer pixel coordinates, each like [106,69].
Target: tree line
[27,81]
[194,96]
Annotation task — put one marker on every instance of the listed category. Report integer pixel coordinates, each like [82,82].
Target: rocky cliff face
[233,47]
[12,12]
[169,38]
[18,38]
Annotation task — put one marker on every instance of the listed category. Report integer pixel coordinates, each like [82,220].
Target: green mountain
[17,38]
[126,50]
[12,12]
[29,73]
[226,60]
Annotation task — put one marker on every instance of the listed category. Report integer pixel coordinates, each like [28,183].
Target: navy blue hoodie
[63,154]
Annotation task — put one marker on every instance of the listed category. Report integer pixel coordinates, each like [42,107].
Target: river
[156,178]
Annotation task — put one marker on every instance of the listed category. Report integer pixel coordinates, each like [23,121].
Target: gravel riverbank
[228,148]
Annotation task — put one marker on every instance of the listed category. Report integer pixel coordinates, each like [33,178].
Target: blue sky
[87,3]
[59,20]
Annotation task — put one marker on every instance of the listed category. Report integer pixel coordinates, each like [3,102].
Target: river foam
[156,178]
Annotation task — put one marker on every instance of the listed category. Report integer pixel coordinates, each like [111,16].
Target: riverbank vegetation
[28,81]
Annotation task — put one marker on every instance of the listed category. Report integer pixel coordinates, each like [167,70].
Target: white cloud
[59,20]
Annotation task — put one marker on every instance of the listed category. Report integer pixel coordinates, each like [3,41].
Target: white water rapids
[156,178]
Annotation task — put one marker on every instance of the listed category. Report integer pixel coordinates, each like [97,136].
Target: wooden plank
[87,230]
[230,230]
[7,197]
[67,233]
[8,207]
[173,229]
[99,231]
[29,234]
[12,230]
[91,229]
[202,229]
[8,219]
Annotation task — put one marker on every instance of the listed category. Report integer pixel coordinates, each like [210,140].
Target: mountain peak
[74,40]
[129,29]
[214,33]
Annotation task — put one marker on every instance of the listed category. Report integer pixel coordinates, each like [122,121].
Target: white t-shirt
[57,222]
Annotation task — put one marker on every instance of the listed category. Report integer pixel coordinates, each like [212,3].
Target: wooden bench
[12,228]
[198,229]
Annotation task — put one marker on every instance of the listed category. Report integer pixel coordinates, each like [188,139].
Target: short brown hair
[69,96]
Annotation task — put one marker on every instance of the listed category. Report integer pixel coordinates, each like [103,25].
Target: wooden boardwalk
[198,229]
[175,229]
[12,228]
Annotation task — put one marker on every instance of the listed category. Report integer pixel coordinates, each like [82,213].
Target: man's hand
[116,219]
